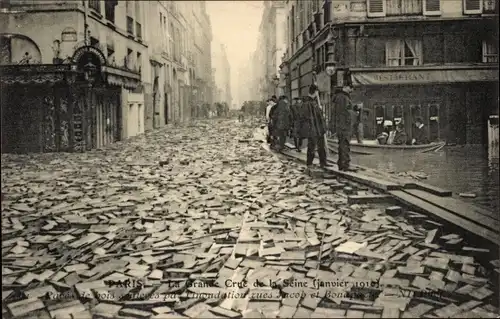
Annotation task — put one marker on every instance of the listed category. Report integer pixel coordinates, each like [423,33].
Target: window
[403,7]
[111,53]
[473,6]
[139,61]
[405,52]
[138,30]
[95,5]
[110,9]
[130,25]
[327,8]
[128,59]
[490,51]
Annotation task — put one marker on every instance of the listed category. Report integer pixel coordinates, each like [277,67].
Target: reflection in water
[461,169]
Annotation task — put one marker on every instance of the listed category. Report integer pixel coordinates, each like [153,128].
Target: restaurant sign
[423,77]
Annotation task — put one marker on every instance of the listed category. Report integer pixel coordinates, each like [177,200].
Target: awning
[120,77]
[424,75]
[35,74]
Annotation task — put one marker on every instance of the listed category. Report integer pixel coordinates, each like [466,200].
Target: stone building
[431,58]
[271,47]
[222,75]
[74,74]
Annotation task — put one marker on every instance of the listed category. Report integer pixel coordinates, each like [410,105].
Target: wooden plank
[368,199]
[458,207]
[374,182]
[422,205]
[430,189]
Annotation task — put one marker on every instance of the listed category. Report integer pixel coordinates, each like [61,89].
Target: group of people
[304,119]
[397,135]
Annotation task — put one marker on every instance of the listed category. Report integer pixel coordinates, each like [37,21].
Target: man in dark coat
[298,123]
[341,123]
[420,136]
[281,122]
[400,137]
[314,128]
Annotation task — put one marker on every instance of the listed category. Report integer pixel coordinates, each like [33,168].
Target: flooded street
[461,169]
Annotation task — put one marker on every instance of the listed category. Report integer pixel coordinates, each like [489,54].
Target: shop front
[454,103]
[63,107]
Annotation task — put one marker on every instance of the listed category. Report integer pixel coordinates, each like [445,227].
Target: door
[476,126]
[415,112]
[379,118]
[434,132]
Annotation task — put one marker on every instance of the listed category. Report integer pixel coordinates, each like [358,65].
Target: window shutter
[432,7]
[376,8]
[473,6]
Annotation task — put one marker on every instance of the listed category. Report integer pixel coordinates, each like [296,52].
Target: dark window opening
[110,9]
[95,5]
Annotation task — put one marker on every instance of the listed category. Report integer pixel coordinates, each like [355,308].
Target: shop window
[490,51]
[403,52]
[403,7]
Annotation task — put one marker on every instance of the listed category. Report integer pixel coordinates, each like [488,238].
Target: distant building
[222,75]
[271,47]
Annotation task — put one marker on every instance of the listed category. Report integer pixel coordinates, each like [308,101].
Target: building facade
[79,84]
[101,71]
[271,48]
[222,75]
[436,59]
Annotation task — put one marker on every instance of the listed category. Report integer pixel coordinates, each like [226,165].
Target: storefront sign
[423,77]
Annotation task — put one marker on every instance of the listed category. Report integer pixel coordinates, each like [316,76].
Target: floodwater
[461,169]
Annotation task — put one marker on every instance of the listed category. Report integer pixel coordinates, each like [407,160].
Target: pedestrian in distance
[315,128]
[298,123]
[281,122]
[342,121]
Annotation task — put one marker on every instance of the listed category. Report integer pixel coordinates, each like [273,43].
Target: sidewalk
[221,229]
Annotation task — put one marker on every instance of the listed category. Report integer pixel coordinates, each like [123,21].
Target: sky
[236,24]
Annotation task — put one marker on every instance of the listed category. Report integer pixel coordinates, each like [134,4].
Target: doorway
[165,108]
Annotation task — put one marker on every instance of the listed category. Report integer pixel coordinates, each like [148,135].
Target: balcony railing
[130,25]
[138,30]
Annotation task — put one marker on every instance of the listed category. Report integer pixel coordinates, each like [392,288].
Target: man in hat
[269,110]
[341,122]
[281,122]
[420,136]
[298,118]
[314,128]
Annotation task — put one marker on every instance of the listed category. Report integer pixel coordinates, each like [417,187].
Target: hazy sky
[236,24]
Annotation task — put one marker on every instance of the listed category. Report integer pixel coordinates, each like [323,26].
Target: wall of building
[450,54]
[222,74]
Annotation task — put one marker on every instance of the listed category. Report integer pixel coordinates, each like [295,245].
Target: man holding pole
[315,128]
[342,120]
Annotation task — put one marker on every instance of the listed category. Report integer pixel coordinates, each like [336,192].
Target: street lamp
[330,62]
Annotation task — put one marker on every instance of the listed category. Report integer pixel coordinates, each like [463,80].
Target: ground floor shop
[57,108]
[455,112]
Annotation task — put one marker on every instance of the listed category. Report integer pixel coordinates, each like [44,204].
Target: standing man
[269,107]
[298,120]
[315,128]
[342,123]
[421,133]
[281,122]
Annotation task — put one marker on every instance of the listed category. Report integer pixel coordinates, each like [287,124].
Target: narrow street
[201,221]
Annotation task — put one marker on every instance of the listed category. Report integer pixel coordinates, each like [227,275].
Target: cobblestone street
[201,221]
